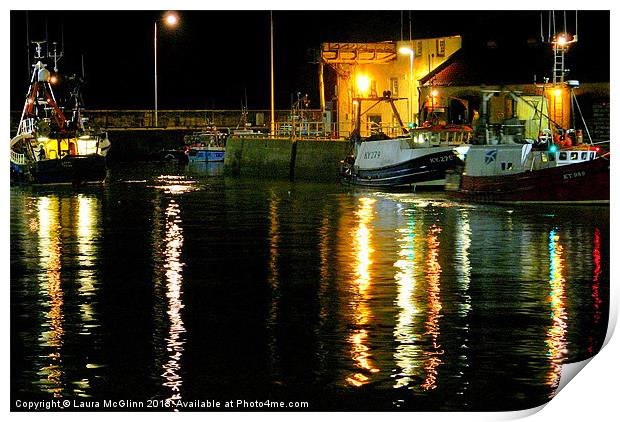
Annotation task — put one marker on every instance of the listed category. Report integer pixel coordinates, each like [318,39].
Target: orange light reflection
[360,352]
[434,300]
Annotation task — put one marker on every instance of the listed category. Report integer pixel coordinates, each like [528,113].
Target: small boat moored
[207,146]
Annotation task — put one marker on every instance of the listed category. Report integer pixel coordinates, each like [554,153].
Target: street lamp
[409,51]
[170,19]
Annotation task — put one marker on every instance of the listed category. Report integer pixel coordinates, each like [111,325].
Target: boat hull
[75,170]
[425,170]
[206,155]
[586,182]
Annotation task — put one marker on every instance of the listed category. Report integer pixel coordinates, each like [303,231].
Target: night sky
[214,58]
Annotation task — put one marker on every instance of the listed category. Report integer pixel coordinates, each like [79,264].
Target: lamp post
[409,51]
[170,19]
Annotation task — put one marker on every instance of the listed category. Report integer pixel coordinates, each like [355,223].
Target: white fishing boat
[418,157]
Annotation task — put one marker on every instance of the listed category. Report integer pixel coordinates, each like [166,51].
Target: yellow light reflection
[50,251]
[406,354]
[325,231]
[86,228]
[363,256]
[556,340]
[174,289]
[433,272]
[176,184]
[273,280]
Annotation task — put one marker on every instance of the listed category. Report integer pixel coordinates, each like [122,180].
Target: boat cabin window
[592,154]
[574,155]
[543,157]
[584,155]
[551,156]
[506,166]
[563,155]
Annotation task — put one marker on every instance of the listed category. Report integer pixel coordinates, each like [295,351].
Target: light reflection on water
[413,297]
[169,279]
[407,351]
[362,250]
[556,335]
[50,251]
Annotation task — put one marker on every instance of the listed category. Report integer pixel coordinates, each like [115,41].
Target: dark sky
[214,57]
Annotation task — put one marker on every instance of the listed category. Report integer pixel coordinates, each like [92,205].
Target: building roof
[492,66]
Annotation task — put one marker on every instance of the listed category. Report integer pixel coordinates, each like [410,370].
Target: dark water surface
[179,283]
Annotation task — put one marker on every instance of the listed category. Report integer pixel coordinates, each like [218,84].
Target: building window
[441,47]
[394,86]
[418,49]
[373,89]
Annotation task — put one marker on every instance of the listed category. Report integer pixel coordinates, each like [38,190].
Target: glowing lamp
[363,83]
[562,40]
[53,79]
[553,148]
[405,50]
[435,93]
[171,19]
[557,92]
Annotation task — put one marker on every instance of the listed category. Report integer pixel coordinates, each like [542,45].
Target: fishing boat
[556,167]
[417,157]
[48,148]
[207,146]
[508,167]
[523,173]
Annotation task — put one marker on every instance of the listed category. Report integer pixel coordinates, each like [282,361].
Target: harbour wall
[139,145]
[278,157]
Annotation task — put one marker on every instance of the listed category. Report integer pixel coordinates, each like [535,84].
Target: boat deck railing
[18,158]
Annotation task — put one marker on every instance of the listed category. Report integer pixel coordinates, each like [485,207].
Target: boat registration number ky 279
[371,155]
[441,159]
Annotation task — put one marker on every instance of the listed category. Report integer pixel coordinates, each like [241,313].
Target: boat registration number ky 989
[574,174]
[371,155]
[442,159]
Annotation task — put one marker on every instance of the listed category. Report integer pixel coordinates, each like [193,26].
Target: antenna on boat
[27,44]
[542,38]
[56,56]
[38,49]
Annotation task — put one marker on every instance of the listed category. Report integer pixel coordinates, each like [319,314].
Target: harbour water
[174,282]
